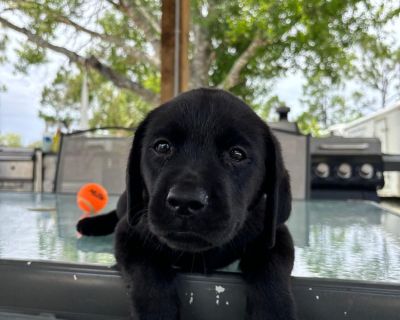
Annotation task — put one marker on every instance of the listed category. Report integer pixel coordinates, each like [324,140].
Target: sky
[19,104]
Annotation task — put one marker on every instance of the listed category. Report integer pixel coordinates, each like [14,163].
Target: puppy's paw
[85,226]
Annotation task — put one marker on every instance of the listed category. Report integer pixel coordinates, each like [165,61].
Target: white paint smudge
[75,277]
[345,313]
[317,297]
[219,289]
[191,298]
[309,289]
[28,263]
[227,303]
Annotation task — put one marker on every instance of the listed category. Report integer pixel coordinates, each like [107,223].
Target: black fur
[202,205]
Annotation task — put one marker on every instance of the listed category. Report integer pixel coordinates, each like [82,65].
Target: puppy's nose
[186,201]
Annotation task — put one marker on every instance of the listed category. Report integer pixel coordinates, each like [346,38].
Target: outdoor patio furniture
[346,264]
[86,158]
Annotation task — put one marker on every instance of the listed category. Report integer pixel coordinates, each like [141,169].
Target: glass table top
[334,239]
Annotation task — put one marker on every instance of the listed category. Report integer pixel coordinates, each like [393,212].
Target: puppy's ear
[279,198]
[135,189]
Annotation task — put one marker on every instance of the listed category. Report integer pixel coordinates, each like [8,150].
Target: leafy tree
[264,109]
[241,46]
[60,105]
[110,106]
[379,68]
[10,140]
[326,106]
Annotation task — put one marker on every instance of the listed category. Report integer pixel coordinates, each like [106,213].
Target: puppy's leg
[151,282]
[152,292]
[267,276]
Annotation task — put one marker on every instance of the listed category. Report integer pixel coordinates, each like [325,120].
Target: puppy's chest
[204,262]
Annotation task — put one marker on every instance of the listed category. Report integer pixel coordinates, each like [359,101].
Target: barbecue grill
[344,168]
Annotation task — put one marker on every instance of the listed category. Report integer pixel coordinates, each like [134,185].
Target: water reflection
[48,235]
[346,240]
[334,239]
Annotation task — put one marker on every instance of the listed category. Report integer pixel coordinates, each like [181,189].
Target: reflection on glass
[48,235]
[334,239]
[346,240]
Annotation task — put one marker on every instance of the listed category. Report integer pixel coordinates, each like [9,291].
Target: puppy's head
[201,164]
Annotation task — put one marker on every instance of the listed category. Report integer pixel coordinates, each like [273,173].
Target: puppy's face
[203,166]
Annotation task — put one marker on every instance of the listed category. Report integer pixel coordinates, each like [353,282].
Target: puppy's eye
[162,147]
[237,154]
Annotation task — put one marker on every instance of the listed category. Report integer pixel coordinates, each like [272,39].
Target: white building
[385,125]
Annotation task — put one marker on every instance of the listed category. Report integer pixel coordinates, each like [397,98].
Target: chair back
[84,158]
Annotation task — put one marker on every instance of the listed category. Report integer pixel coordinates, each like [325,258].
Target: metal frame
[308,167]
[38,171]
[73,291]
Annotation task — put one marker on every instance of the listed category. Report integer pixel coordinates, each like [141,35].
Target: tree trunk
[201,58]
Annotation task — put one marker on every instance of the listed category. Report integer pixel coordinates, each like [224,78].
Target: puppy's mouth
[186,240]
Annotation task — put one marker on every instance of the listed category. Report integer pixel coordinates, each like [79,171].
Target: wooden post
[174,48]
[184,46]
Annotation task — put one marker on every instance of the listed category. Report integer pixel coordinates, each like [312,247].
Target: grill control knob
[322,170]
[366,171]
[344,171]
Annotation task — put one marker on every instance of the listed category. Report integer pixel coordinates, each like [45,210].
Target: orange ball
[92,198]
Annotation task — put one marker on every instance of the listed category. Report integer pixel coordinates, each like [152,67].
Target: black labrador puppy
[206,185]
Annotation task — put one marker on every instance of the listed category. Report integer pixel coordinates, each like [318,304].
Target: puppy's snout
[187,201]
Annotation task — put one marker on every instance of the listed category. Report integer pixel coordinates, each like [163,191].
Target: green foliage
[29,55]
[325,106]
[311,36]
[109,106]
[379,68]
[118,108]
[264,109]
[10,140]
[4,39]
[308,124]
[244,43]
[60,100]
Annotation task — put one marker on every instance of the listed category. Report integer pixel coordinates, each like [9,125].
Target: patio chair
[85,157]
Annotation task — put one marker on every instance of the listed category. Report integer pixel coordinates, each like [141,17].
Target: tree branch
[233,75]
[91,62]
[141,18]
[154,24]
[136,54]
